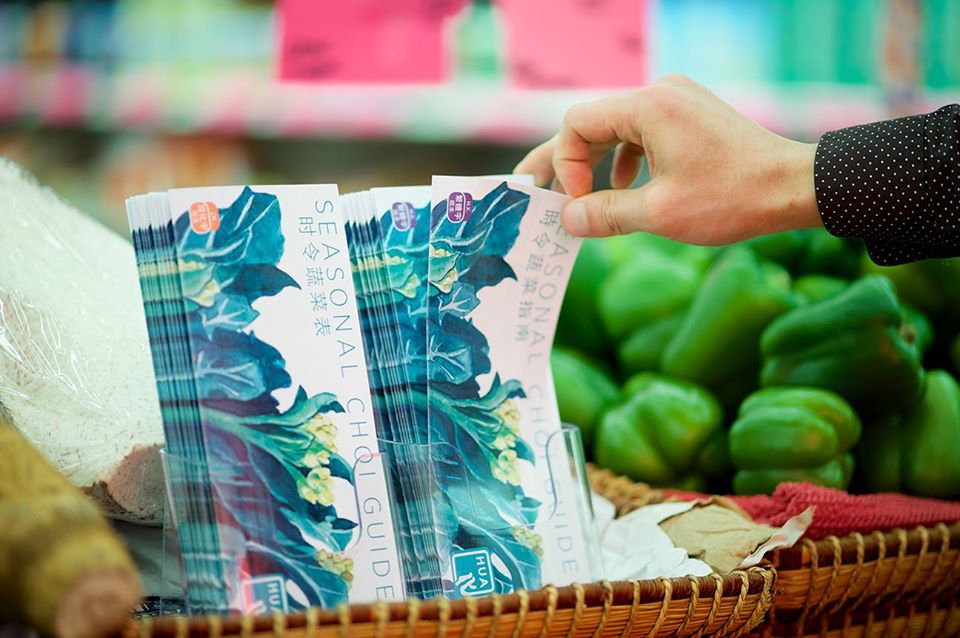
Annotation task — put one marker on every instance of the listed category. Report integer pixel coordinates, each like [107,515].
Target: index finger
[603,123]
[539,163]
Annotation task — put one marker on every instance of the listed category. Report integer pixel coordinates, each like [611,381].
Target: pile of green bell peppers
[745,366]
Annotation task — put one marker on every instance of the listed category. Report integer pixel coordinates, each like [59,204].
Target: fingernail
[574,219]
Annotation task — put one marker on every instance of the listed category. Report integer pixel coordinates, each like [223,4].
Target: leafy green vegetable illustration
[480,502]
[271,472]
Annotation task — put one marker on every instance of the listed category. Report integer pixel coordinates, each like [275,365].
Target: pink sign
[363,41]
[576,43]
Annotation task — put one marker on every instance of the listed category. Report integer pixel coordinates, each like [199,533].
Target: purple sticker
[459,207]
[404,215]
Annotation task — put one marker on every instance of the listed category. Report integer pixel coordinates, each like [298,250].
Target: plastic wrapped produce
[75,372]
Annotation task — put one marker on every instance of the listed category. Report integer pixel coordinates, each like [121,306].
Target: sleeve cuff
[869,180]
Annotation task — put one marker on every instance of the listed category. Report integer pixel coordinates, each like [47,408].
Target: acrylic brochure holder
[236,577]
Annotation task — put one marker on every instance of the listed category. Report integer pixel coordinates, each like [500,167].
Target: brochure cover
[498,266]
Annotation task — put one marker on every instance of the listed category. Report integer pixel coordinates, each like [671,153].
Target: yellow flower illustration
[446,284]
[411,287]
[339,565]
[506,468]
[324,430]
[509,413]
[528,538]
[316,458]
[505,442]
[316,487]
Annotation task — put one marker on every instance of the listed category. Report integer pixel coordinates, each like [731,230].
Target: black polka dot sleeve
[896,184]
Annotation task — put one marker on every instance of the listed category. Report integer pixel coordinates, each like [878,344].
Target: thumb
[605,213]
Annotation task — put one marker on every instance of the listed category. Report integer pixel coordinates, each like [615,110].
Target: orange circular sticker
[204,217]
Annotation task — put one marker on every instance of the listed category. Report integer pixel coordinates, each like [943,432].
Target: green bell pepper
[920,452]
[792,434]
[811,288]
[785,249]
[931,440]
[717,343]
[810,252]
[579,323]
[825,254]
[917,328]
[879,456]
[955,354]
[932,286]
[664,432]
[625,247]
[584,390]
[649,287]
[641,351]
[855,343]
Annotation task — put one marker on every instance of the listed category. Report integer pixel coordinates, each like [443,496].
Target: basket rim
[858,547]
[576,596]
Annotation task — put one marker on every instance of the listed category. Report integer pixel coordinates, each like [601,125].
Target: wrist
[791,196]
[799,194]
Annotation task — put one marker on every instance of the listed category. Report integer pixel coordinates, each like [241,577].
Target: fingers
[539,163]
[627,159]
[609,212]
[588,129]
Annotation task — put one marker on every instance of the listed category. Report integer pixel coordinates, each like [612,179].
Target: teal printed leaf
[530,507]
[325,587]
[237,365]
[260,280]
[252,485]
[487,270]
[461,300]
[521,561]
[525,452]
[228,312]
[457,352]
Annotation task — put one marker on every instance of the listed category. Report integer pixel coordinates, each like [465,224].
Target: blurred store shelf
[247,102]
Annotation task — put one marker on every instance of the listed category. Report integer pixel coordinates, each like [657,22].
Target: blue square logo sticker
[265,594]
[473,572]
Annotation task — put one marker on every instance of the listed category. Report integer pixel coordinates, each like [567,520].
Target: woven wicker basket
[826,584]
[918,620]
[819,582]
[714,606]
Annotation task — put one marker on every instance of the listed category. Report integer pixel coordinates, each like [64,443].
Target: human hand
[716,176]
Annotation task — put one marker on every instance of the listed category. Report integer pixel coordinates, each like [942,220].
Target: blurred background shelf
[239,102]
[102,98]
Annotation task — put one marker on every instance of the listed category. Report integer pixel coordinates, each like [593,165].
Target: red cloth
[840,513]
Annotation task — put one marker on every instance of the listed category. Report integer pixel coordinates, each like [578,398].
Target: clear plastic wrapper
[75,375]
[239,586]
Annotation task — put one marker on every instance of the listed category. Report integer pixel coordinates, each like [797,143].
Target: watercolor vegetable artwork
[261,461]
[480,502]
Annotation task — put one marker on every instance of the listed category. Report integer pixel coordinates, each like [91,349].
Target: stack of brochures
[356,391]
